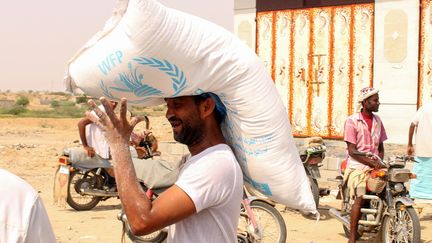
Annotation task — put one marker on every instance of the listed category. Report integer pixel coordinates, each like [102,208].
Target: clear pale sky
[37,38]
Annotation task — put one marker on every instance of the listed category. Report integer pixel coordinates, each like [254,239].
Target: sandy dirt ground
[29,147]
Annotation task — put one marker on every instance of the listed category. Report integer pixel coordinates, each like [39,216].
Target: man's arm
[144,216]
[410,148]
[82,133]
[381,150]
[352,149]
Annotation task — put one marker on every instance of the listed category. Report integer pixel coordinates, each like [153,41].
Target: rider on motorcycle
[94,142]
[93,138]
[363,132]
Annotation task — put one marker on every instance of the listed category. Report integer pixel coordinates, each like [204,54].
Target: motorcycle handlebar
[369,154]
[406,158]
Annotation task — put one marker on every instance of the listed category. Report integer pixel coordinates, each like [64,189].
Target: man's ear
[207,107]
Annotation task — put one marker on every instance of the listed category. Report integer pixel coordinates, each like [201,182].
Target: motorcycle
[87,181]
[387,208]
[259,221]
[312,154]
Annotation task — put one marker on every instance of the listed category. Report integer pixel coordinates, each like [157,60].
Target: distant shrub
[66,103]
[59,93]
[81,99]
[54,103]
[159,108]
[60,106]
[59,112]
[71,111]
[16,110]
[22,101]
[138,107]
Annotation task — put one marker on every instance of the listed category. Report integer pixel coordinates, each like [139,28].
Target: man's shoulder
[17,187]
[220,156]
[221,149]
[354,117]
[15,181]
[377,117]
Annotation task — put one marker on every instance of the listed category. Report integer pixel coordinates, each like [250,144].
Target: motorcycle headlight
[399,175]
[399,187]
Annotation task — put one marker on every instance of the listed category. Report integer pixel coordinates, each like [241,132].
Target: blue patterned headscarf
[220,108]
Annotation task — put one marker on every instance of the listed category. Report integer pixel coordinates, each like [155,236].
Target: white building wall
[244,28]
[244,21]
[396,48]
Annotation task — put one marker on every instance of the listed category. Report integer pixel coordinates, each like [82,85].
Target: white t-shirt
[423,120]
[214,181]
[96,138]
[23,218]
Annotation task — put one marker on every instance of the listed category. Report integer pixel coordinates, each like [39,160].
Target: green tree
[22,101]
[81,99]
[54,103]
[17,110]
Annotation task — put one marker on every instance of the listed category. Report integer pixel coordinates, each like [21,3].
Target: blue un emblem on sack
[132,82]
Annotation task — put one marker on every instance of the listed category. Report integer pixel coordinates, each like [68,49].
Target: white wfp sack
[147,52]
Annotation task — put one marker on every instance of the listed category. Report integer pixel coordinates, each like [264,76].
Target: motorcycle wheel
[348,233]
[270,222]
[242,238]
[315,190]
[78,180]
[156,237]
[404,226]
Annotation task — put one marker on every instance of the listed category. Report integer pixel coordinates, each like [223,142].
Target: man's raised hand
[117,128]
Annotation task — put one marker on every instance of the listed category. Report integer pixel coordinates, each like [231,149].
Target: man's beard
[189,135]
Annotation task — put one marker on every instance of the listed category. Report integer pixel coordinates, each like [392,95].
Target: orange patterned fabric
[319,58]
[425,82]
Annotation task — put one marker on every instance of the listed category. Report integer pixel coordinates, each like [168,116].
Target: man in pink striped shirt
[364,132]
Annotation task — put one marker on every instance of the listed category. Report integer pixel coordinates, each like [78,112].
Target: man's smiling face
[184,116]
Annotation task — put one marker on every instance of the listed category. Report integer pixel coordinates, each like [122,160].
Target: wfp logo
[133,81]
